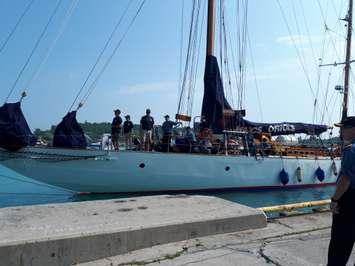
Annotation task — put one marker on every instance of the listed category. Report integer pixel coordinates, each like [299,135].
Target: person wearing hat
[147,124]
[343,201]
[127,132]
[116,129]
[167,128]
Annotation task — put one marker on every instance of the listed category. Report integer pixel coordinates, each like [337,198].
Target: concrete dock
[70,233]
[292,241]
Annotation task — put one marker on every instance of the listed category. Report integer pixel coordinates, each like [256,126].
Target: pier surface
[297,241]
[65,234]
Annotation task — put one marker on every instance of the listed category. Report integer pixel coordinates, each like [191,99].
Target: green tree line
[93,130]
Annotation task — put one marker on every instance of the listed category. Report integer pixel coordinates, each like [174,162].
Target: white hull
[91,171]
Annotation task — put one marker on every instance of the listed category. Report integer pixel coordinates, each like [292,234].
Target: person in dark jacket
[191,139]
[127,132]
[167,128]
[147,125]
[116,129]
[343,201]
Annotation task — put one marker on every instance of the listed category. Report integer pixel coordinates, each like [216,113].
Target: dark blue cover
[214,101]
[69,134]
[285,128]
[14,130]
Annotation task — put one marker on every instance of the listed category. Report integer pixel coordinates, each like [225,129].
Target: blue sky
[145,70]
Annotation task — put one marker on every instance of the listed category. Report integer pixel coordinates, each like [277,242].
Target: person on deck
[167,128]
[250,142]
[116,129]
[191,138]
[127,131]
[147,124]
[343,201]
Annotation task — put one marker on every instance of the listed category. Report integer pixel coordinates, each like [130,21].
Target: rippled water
[16,190]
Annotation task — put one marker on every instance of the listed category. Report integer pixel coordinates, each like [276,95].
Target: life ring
[284,177]
[320,174]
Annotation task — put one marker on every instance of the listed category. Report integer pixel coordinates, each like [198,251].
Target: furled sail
[285,128]
[214,101]
[69,134]
[14,130]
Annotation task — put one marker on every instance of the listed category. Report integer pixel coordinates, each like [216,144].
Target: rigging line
[311,45]
[181,43]
[255,79]
[63,26]
[198,57]
[337,11]
[226,52]
[297,51]
[16,26]
[36,183]
[93,84]
[230,50]
[240,57]
[326,98]
[336,99]
[326,26]
[193,57]
[33,50]
[238,25]
[234,64]
[323,48]
[243,14]
[241,20]
[189,78]
[182,93]
[319,70]
[108,41]
[246,5]
[307,30]
[329,104]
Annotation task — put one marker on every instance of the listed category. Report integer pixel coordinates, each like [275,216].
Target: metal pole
[349,19]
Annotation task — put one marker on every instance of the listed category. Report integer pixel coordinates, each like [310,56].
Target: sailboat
[84,170]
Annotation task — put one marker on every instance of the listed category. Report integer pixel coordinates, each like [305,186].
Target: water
[16,190]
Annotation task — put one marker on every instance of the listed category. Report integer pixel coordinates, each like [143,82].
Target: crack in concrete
[159,259]
[233,247]
[242,250]
[270,239]
[281,223]
[206,259]
[266,257]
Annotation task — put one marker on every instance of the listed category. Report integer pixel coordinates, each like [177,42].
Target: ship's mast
[211,26]
[349,19]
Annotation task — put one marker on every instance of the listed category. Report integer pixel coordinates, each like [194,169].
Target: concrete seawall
[64,234]
[300,240]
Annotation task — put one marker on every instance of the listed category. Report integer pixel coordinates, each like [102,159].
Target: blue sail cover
[14,130]
[214,101]
[69,134]
[285,128]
